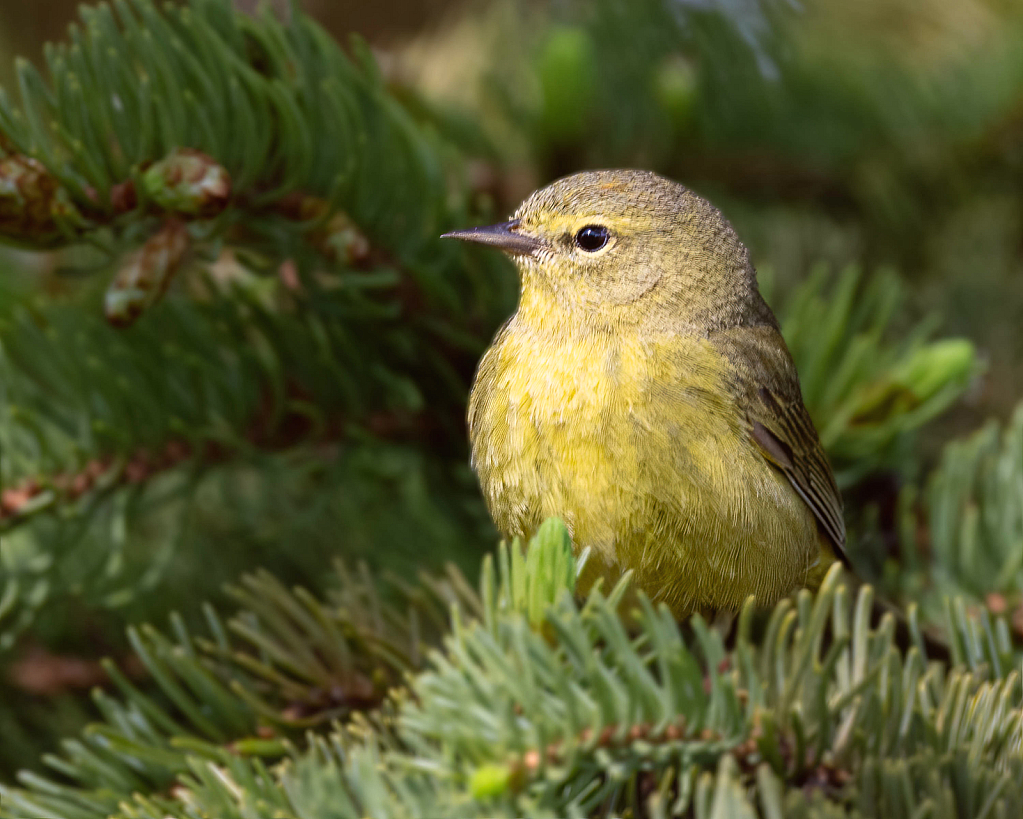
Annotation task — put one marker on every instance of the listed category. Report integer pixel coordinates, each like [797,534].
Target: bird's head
[630,245]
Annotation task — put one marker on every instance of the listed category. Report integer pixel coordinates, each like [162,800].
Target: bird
[643,393]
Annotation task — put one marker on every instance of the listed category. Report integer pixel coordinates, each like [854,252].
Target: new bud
[145,274]
[188,182]
[31,202]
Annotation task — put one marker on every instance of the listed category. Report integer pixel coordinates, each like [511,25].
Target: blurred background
[885,132]
[870,154]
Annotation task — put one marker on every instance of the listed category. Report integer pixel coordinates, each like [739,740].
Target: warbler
[642,391]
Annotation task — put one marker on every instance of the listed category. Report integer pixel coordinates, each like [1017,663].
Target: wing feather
[767,387]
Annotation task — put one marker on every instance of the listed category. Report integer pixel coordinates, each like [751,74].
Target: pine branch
[284,663]
[963,530]
[185,531]
[570,714]
[254,132]
[88,417]
[594,722]
[341,315]
[136,85]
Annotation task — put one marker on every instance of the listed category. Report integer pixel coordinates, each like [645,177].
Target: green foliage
[569,714]
[237,362]
[536,576]
[286,662]
[660,63]
[109,428]
[866,391]
[973,514]
[831,104]
[257,95]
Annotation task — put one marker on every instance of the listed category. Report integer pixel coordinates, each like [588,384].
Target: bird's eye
[592,238]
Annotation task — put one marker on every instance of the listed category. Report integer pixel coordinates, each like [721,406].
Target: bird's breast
[639,445]
[589,427]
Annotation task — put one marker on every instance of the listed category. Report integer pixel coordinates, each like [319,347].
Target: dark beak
[503,236]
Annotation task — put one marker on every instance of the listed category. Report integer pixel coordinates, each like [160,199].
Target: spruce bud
[188,182]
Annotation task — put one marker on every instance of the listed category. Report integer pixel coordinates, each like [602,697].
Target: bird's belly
[651,471]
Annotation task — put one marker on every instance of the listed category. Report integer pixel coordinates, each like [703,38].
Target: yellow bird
[643,392]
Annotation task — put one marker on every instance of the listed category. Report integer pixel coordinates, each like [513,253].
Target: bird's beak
[504,236]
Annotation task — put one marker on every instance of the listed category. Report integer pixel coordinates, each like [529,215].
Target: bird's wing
[767,388]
